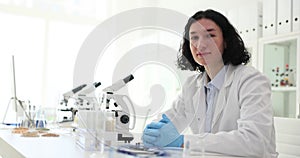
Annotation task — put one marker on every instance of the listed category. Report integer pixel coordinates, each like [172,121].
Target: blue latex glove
[162,134]
[150,133]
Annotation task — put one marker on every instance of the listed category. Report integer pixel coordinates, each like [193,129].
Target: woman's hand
[162,134]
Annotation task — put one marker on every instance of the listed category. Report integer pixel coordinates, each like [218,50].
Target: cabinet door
[280,63]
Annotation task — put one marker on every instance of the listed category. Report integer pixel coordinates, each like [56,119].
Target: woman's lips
[202,53]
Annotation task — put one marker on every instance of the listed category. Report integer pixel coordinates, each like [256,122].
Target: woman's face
[206,42]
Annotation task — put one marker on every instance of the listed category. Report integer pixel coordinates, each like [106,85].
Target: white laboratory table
[15,146]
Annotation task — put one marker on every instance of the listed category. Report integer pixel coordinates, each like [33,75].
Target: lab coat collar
[218,81]
[200,81]
[229,73]
[230,70]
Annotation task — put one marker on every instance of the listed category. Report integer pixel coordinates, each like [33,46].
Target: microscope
[101,120]
[67,112]
[122,108]
[84,100]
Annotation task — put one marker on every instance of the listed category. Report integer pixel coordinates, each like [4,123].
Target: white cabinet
[279,60]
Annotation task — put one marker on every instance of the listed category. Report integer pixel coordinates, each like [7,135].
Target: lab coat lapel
[219,106]
[199,102]
[222,98]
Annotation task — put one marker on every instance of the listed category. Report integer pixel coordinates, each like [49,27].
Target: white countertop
[15,146]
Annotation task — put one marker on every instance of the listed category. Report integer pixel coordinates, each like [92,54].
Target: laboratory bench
[15,146]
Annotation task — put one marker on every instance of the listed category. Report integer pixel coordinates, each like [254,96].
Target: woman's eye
[210,35]
[194,38]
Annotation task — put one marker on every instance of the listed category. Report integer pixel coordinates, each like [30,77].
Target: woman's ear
[224,45]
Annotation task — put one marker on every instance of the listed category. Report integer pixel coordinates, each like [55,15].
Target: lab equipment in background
[90,89]
[141,151]
[84,99]
[106,121]
[29,115]
[66,112]
[50,116]
[119,84]
[122,107]
[16,111]
[117,105]
[285,78]
[90,132]
[40,120]
[20,114]
[71,93]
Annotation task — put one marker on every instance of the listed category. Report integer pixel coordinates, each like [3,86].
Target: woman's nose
[201,44]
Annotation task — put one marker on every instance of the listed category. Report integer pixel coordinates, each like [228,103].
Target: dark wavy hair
[235,52]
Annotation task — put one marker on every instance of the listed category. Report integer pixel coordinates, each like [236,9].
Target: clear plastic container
[194,145]
[90,133]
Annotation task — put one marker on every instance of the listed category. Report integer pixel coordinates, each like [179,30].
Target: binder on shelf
[284,16]
[269,17]
[296,15]
[255,26]
[250,21]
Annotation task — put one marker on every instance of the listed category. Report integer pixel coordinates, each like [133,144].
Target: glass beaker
[194,145]
[40,120]
[50,115]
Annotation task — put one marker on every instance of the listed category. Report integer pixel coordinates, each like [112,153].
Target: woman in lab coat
[227,101]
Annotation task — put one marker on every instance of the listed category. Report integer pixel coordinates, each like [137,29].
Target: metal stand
[18,104]
[29,122]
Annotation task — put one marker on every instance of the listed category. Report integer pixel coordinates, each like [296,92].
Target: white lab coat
[242,123]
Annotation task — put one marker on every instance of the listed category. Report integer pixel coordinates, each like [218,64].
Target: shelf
[279,38]
[283,89]
[277,56]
